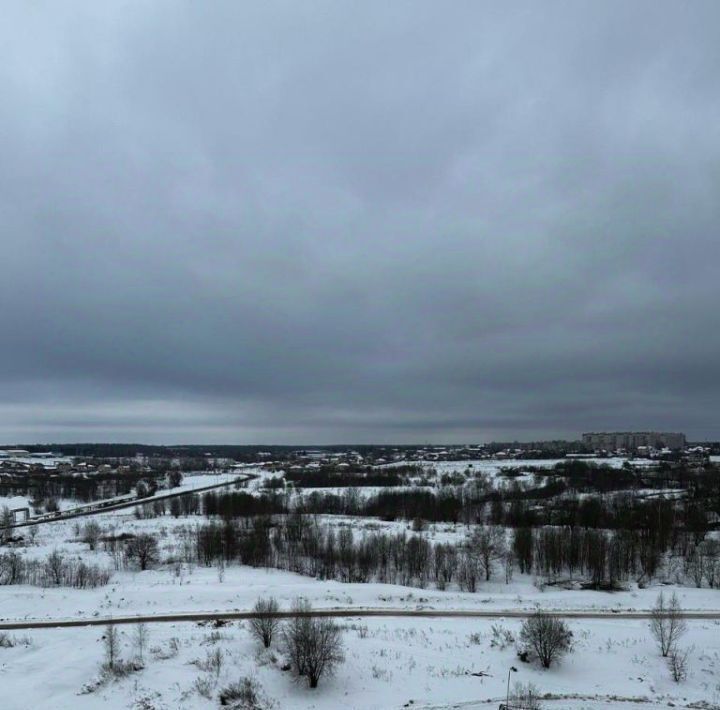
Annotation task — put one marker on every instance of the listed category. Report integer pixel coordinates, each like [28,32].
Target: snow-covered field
[495,466]
[390,663]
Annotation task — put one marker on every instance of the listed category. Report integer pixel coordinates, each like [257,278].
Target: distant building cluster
[633,440]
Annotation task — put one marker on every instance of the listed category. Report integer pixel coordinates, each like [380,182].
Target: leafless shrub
[214,637]
[246,694]
[667,624]
[502,638]
[678,663]
[91,534]
[111,642]
[8,641]
[54,566]
[313,644]
[140,639]
[212,663]
[170,651]
[12,568]
[266,624]
[52,505]
[548,636]
[6,520]
[205,685]
[292,633]
[467,574]
[526,696]
[142,550]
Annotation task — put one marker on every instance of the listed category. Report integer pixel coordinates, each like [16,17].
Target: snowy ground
[201,589]
[179,587]
[389,663]
[494,466]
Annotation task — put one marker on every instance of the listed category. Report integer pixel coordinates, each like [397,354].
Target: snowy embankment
[200,589]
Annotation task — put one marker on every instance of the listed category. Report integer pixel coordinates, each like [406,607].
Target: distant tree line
[41,485]
[658,517]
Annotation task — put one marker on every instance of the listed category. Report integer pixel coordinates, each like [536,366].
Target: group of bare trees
[312,644]
[301,544]
[703,563]
[56,570]
[141,551]
[599,559]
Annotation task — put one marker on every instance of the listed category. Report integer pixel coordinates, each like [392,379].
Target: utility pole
[507,695]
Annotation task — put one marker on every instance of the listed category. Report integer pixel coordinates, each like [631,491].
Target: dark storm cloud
[358,221]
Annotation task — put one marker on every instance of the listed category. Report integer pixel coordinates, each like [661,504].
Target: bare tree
[711,552]
[52,505]
[11,568]
[142,550]
[313,644]
[174,479]
[696,566]
[487,544]
[548,636]
[141,640]
[293,631]
[265,625]
[91,534]
[54,568]
[112,647]
[322,648]
[6,520]
[667,624]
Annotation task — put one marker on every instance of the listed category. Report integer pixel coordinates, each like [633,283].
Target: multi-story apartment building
[630,440]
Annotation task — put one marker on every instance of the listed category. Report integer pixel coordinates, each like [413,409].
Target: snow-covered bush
[502,638]
[246,694]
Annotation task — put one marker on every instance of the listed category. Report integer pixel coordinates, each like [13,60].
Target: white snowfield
[495,466]
[390,663]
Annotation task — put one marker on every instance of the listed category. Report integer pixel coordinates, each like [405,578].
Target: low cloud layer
[349,222]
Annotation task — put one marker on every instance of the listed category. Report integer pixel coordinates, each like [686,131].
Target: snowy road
[107,506]
[346,612]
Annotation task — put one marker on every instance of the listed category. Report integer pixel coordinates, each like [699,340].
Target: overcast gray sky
[358,221]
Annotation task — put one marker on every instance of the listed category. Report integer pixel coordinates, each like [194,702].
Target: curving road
[86,511]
